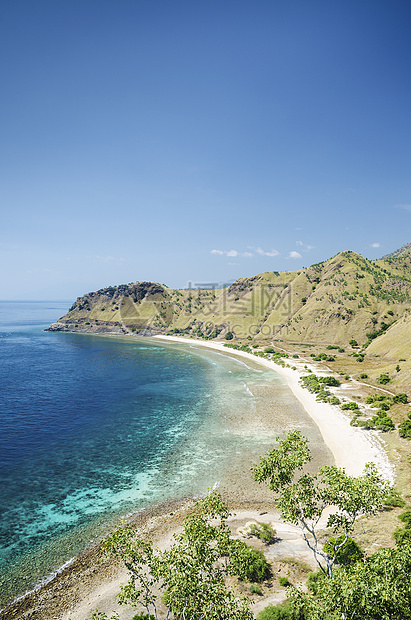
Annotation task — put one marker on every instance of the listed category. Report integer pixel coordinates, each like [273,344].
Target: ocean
[93,428]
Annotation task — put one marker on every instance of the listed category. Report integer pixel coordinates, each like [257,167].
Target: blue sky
[192,141]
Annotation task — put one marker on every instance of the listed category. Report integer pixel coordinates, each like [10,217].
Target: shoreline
[351,446]
[82,586]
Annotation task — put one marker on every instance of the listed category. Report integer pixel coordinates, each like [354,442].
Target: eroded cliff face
[124,309]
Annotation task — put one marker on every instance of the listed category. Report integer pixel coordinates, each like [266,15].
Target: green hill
[346,297]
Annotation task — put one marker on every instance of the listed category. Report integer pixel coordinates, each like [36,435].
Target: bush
[247,563]
[404,429]
[347,554]
[313,579]
[283,581]
[255,589]
[332,381]
[353,343]
[352,406]
[384,423]
[384,406]
[229,336]
[279,612]
[364,375]
[405,517]
[263,531]
[394,500]
[400,398]
[269,350]
[402,536]
[383,379]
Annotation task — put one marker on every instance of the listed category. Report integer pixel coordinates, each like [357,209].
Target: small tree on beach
[305,500]
[190,575]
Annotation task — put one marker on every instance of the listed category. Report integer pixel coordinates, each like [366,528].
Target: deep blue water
[93,427]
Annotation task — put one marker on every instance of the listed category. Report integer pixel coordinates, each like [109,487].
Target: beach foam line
[352,447]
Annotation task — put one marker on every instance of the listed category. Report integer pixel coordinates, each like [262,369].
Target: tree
[303,501]
[189,575]
[376,588]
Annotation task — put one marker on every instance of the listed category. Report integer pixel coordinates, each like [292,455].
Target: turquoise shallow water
[93,428]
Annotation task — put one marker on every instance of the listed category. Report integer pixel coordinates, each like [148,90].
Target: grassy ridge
[347,302]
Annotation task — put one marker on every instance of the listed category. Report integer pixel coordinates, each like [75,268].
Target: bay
[94,428]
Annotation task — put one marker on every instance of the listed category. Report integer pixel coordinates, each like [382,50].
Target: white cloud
[294,254]
[375,245]
[405,207]
[305,246]
[233,264]
[272,252]
[232,253]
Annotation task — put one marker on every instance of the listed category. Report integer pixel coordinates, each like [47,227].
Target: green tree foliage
[190,574]
[400,398]
[352,406]
[303,501]
[404,429]
[383,379]
[377,588]
[247,563]
[280,612]
[347,553]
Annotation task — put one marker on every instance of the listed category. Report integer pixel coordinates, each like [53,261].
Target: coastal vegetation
[193,578]
[189,578]
[347,318]
[305,500]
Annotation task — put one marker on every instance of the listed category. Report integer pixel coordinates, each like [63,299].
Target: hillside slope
[346,297]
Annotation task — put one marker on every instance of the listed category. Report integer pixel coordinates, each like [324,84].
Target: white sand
[352,447]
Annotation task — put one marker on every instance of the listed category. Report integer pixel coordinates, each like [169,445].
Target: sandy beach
[86,585]
[352,447]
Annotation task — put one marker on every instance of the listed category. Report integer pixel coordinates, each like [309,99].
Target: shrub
[332,381]
[334,400]
[353,343]
[283,581]
[364,375]
[405,517]
[394,500]
[279,612]
[229,336]
[404,429]
[352,406]
[384,423]
[402,536]
[247,563]
[347,554]
[269,350]
[400,398]
[313,579]
[383,379]
[255,589]
[263,531]
[383,406]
